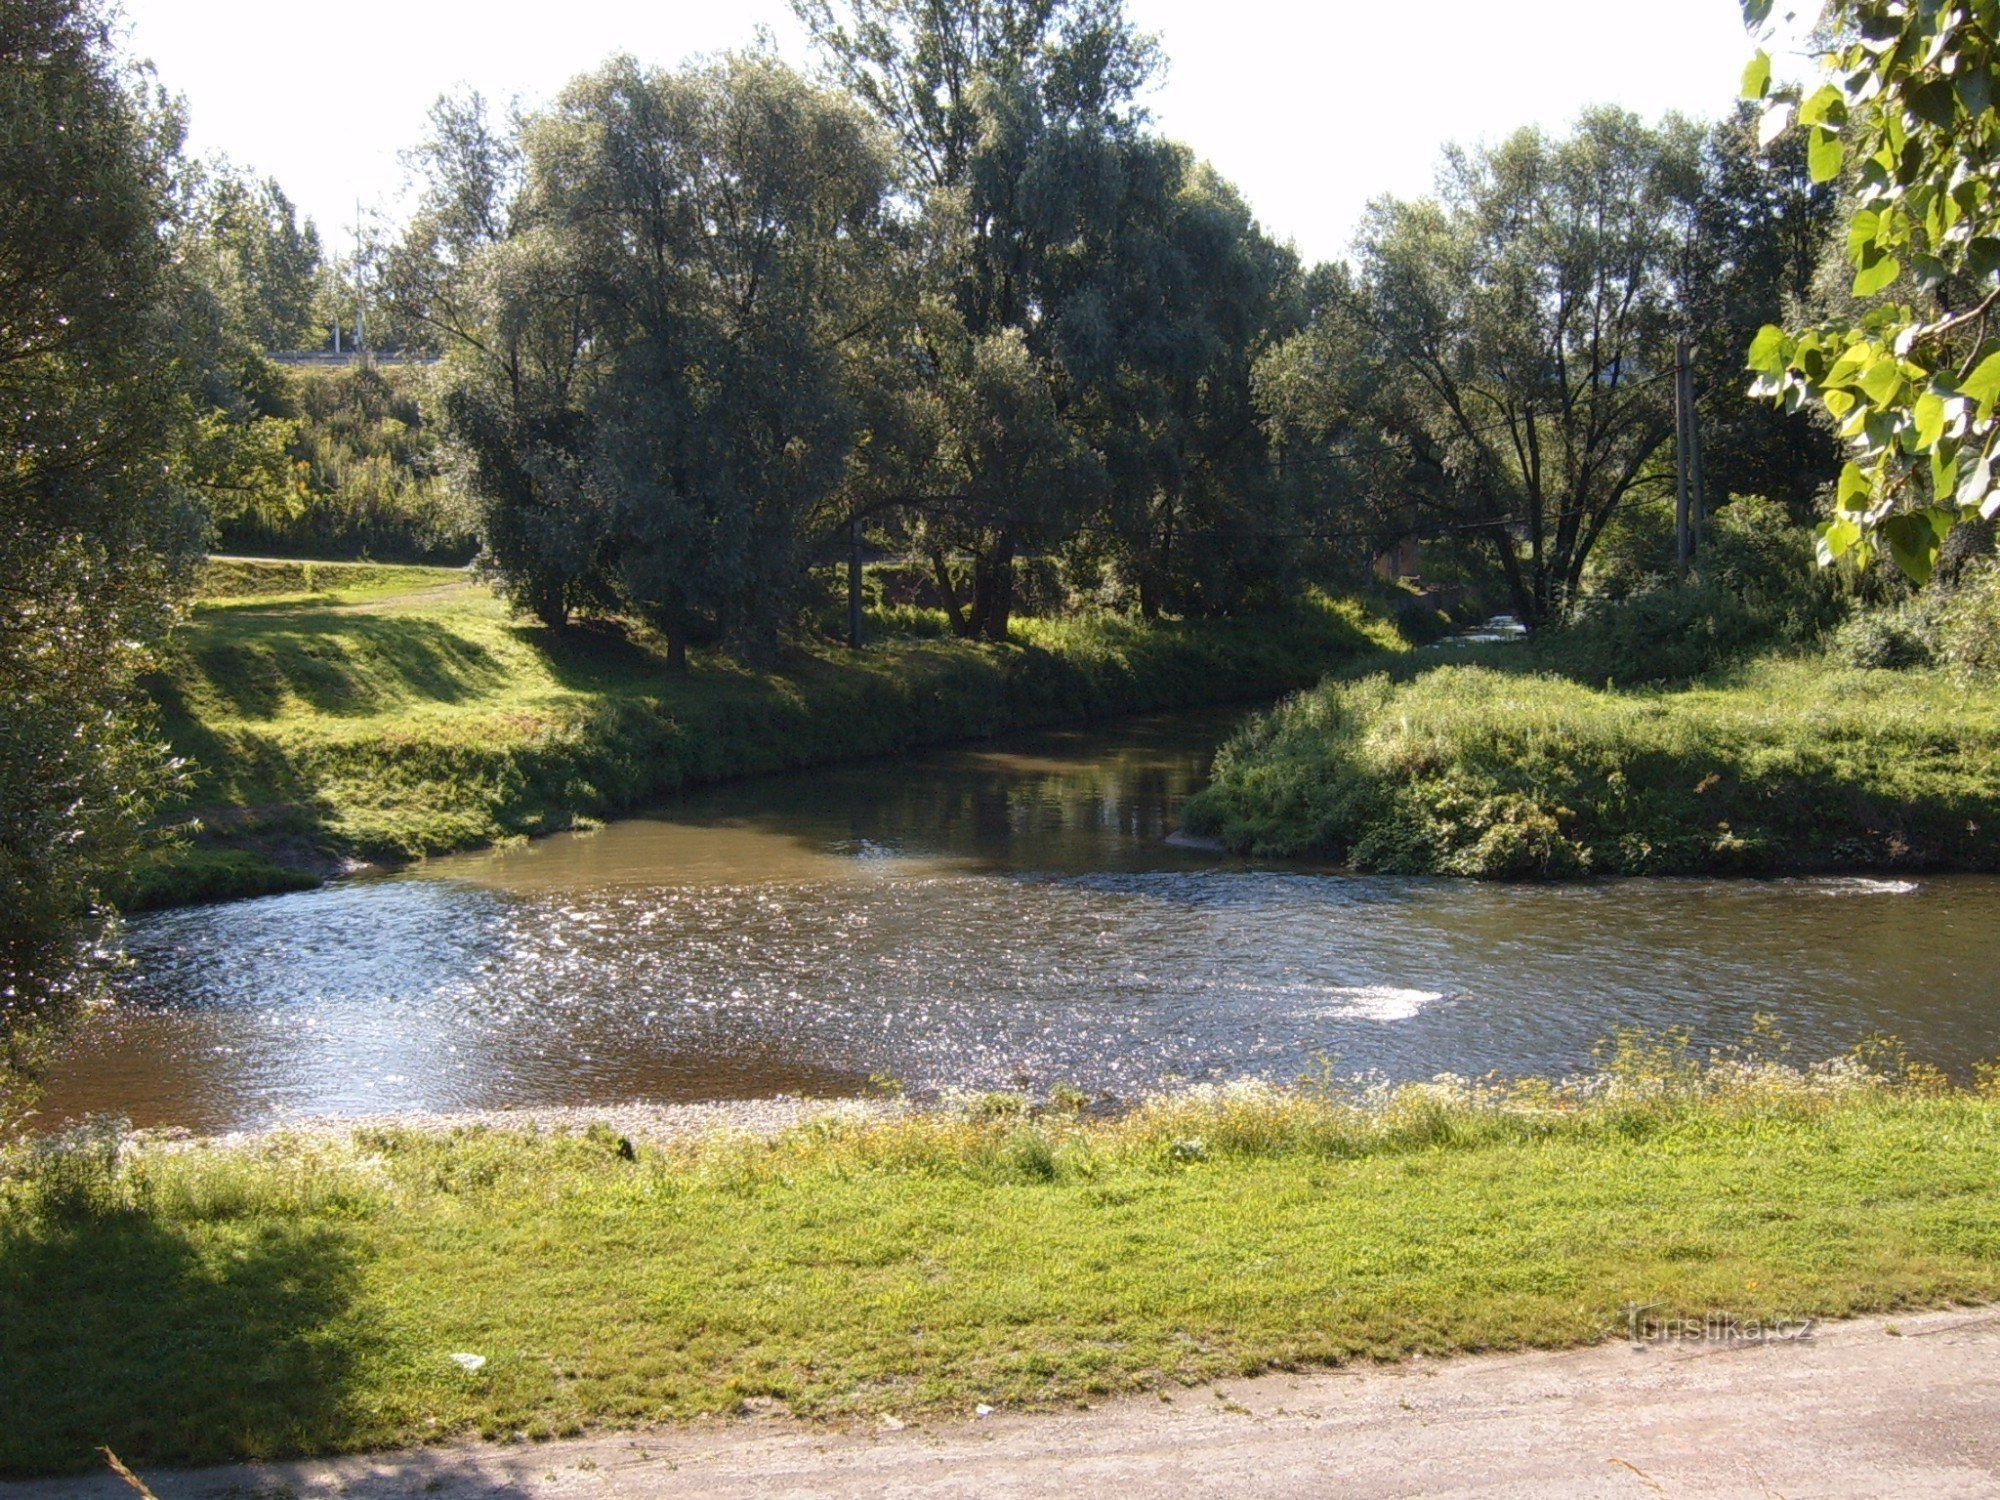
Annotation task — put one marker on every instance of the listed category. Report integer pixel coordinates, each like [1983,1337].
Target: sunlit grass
[1784,764]
[392,725]
[189,1303]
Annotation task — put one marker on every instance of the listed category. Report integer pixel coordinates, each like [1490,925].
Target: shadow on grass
[338,662]
[120,1330]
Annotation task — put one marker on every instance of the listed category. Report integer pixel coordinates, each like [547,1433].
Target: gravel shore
[638,1121]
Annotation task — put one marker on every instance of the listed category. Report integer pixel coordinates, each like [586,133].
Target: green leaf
[1913,543]
[1878,276]
[1944,473]
[1770,351]
[1929,417]
[1849,365]
[1882,382]
[1757,76]
[1756,13]
[1854,487]
[1825,106]
[1863,231]
[1833,540]
[1975,90]
[1825,154]
[1983,385]
[1935,103]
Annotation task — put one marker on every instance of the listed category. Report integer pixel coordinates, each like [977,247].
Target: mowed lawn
[298,1295]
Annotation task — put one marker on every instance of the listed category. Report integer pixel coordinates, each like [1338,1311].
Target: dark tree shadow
[115,1329]
[340,662]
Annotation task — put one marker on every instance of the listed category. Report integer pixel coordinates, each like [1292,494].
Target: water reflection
[986,917]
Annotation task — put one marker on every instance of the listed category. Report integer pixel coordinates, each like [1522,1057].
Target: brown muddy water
[998,916]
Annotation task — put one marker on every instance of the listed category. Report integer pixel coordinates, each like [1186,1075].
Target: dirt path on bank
[1874,1407]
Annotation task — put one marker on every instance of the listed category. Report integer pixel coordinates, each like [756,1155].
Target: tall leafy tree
[1018,145]
[653,350]
[242,238]
[1500,361]
[98,526]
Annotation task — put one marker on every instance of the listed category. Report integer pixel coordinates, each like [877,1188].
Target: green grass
[1500,770]
[251,583]
[402,712]
[291,1295]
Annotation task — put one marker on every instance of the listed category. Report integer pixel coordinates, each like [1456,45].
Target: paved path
[1875,1407]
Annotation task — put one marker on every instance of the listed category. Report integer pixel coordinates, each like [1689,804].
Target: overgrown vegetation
[330,720]
[367,474]
[1501,771]
[308,1294]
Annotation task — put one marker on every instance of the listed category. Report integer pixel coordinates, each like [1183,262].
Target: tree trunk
[993,589]
[948,592]
[677,648]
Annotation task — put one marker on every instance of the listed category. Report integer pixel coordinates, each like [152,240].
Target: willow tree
[1500,362]
[649,339]
[1018,142]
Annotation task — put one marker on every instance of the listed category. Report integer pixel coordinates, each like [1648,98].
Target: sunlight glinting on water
[991,918]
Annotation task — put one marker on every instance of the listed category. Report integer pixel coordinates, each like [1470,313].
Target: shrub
[1882,639]
[1758,585]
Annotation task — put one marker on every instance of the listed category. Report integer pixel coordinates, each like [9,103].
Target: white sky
[1311,109]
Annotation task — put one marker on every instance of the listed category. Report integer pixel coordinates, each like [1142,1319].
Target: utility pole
[360,294]
[1687,461]
[1697,495]
[854,583]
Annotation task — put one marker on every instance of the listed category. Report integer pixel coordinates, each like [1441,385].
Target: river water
[1004,915]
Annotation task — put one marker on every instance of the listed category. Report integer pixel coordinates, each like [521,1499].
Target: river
[1004,915]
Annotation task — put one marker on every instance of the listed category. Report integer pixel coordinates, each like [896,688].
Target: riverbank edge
[1502,767]
[1477,1216]
[440,793]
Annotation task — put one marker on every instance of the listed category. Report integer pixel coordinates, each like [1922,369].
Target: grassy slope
[300,1296]
[389,713]
[1487,771]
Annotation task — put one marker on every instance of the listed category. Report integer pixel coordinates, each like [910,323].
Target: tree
[1179,302]
[1906,119]
[651,360]
[243,239]
[98,525]
[1500,362]
[1018,148]
[1762,230]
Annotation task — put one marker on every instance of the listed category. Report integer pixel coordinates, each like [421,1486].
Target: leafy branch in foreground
[1906,118]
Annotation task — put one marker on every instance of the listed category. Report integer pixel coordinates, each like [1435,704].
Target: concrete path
[1875,1407]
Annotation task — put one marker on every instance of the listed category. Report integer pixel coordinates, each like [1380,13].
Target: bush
[1885,639]
[1758,585]
[373,468]
[1968,629]
[1511,774]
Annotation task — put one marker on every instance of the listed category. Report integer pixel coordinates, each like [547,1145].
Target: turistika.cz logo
[1642,1328]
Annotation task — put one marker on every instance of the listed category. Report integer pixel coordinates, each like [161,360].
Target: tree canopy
[99,404]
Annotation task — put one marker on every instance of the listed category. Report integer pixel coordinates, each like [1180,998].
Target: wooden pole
[1697,496]
[854,583]
[1683,517]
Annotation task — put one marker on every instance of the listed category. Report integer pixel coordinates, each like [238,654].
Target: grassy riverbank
[1507,771]
[296,1295]
[374,713]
